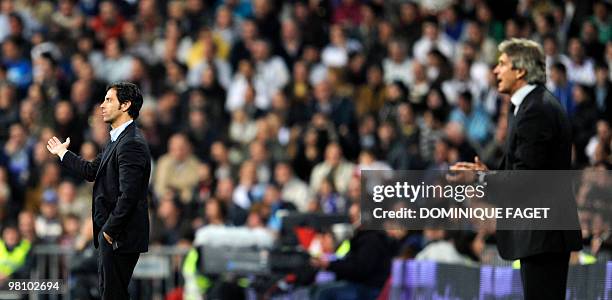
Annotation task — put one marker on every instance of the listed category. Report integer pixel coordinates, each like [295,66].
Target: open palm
[55,146]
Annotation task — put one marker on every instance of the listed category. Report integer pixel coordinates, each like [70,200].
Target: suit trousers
[114,270]
[544,276]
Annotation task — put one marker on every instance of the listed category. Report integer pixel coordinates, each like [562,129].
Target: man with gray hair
[539,138]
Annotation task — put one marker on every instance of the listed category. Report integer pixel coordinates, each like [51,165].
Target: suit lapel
[512,121]
[509,138]
[110,148]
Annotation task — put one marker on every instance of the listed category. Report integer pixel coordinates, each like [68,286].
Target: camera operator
[362,272]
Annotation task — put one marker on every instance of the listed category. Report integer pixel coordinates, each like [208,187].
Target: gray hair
[526,55]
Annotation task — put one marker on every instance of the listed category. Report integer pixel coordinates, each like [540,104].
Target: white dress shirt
[114,134]
[518,96]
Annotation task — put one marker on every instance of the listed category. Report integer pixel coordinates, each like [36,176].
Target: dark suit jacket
[539,138]
[121,174]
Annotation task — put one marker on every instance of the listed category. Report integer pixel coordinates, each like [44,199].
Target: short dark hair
[559,67]
[601,65]
[467,96]
[128,92]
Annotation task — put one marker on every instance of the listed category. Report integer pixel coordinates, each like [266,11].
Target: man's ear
[125,106]
[521,74]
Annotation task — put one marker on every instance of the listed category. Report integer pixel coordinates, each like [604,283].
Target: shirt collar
[117,131]
[518,96]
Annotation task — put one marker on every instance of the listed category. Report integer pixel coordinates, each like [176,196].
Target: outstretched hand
[465,172]
[477,165]
[55,146]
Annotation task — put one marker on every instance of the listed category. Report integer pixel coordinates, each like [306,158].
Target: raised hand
[465,172]
[477,165]
[55,146]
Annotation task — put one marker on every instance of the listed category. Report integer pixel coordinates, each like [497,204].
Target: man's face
[9,50]
[17,134]
[333,155]
[282,173]
[507,77]
[111,108]
[575,49]
[107,12]
[179,147]
[601,75]
[555,76]
[322,91]
[10,237]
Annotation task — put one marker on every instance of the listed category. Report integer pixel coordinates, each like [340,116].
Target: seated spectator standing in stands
[278,207]
[583,122]
[14,255]
[328,200]
[581,68]
[292,188]
[603,91]
[109,23]
[15,154]
[27,226]
[177,169]
[600,142]
[48,224]
[335,167]
[170,224]
[18,68]
[432,38]
[562,88]
[236,215]
[475,121]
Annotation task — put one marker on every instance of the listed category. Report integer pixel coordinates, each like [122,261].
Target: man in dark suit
[121,175]
[539,138]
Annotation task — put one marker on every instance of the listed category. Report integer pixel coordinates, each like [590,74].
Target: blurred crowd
[255,108]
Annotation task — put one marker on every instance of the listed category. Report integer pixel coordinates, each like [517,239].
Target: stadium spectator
[293,189]
[301,95]
[334,167]
[562,88]
[249,189]
[115,65]
[48,222]
[208,59]
[177,169]
[581,68]
[432,38]
[583,122]
[27,226]
[277,207]
[170,225]
[476,122]
[108,23]
[18,68]
[603,91]
[602,139]
[236,215]
[15,257]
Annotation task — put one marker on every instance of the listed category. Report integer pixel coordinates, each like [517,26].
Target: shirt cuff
[482,176]
[61,156]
